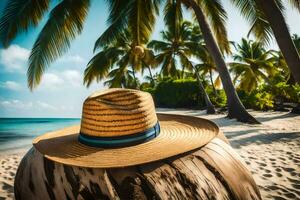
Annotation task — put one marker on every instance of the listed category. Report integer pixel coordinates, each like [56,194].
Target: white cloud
[51,81]
[16,104]
[61,80]
[72,59]
[19,105]
[11,85]
[45,106]
[66,107]
[73,77]
[14,58]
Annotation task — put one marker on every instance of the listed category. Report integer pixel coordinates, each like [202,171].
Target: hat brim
[179,134]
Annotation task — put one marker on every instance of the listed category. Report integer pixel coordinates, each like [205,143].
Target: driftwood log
[214,171]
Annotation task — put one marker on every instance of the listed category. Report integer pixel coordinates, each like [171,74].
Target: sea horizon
[18,132]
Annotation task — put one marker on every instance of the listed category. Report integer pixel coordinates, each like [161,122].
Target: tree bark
[133,74]
[205,173]
[282,36]
[235,107]
[212,83]
[210,109]
[151,76]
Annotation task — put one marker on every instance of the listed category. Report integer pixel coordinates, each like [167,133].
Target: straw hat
[119,127]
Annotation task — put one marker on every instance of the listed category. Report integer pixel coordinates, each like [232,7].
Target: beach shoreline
[271,151]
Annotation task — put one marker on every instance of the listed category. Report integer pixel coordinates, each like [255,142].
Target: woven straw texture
[119,112]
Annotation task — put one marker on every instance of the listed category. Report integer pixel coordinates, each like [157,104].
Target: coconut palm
[267,19]
[252,65]
[211,17]
[216,15]
[207,68]
[118,61]
[66,19]
[207,65]
[150,78]
[65,22]
[280,62]
[172,48]
[120,78]
[176,45]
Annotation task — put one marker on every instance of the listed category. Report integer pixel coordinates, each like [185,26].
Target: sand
[271,151]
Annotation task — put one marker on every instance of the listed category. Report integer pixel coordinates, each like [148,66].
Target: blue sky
[61,92]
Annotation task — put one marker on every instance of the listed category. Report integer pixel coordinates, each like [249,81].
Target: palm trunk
[235,107]
[212,83]
[282,36]
[151,76]
[133,74]
[210,109]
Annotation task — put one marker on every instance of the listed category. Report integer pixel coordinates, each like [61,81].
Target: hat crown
[117,112]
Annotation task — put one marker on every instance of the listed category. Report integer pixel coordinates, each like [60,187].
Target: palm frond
[117,21]
[261,29]
[98,67]
[252,12]
[18,16]
[120,76]
[295,4]
[158,46]
[64,24]
[173,16]
[218,82]
[217,17]
[141,20]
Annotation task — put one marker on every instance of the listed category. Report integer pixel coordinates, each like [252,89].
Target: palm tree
[120,56]
[296,40]
[210,108]
[280,62]
[266,18]
[120,78]
[176,45]
[148,67]
[252,65]
[173,48]
[207,68]
[217,15]
[66,20]
[213,10]
[207,65]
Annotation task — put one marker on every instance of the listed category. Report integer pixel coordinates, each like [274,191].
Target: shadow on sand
[266,138]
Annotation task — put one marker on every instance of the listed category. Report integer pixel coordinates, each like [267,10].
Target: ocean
[16,133]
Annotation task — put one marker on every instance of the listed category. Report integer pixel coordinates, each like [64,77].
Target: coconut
[139,51]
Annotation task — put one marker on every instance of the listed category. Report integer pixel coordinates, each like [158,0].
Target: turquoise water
[18,132]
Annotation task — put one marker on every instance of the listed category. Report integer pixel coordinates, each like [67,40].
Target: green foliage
[19,16]
[182,93]
[218,99]
[263,101]
[177,45]
[150,90]
[295,93]
[271,96]
[177,93]
[252,65]
[258,100]
[65,22]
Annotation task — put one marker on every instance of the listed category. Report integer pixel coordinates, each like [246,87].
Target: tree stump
[214,171]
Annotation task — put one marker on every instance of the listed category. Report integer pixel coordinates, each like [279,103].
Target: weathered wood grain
[214,171]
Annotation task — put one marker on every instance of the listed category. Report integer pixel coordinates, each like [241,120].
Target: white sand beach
[271,151]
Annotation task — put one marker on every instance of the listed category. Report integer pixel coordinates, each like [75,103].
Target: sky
[61,92]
